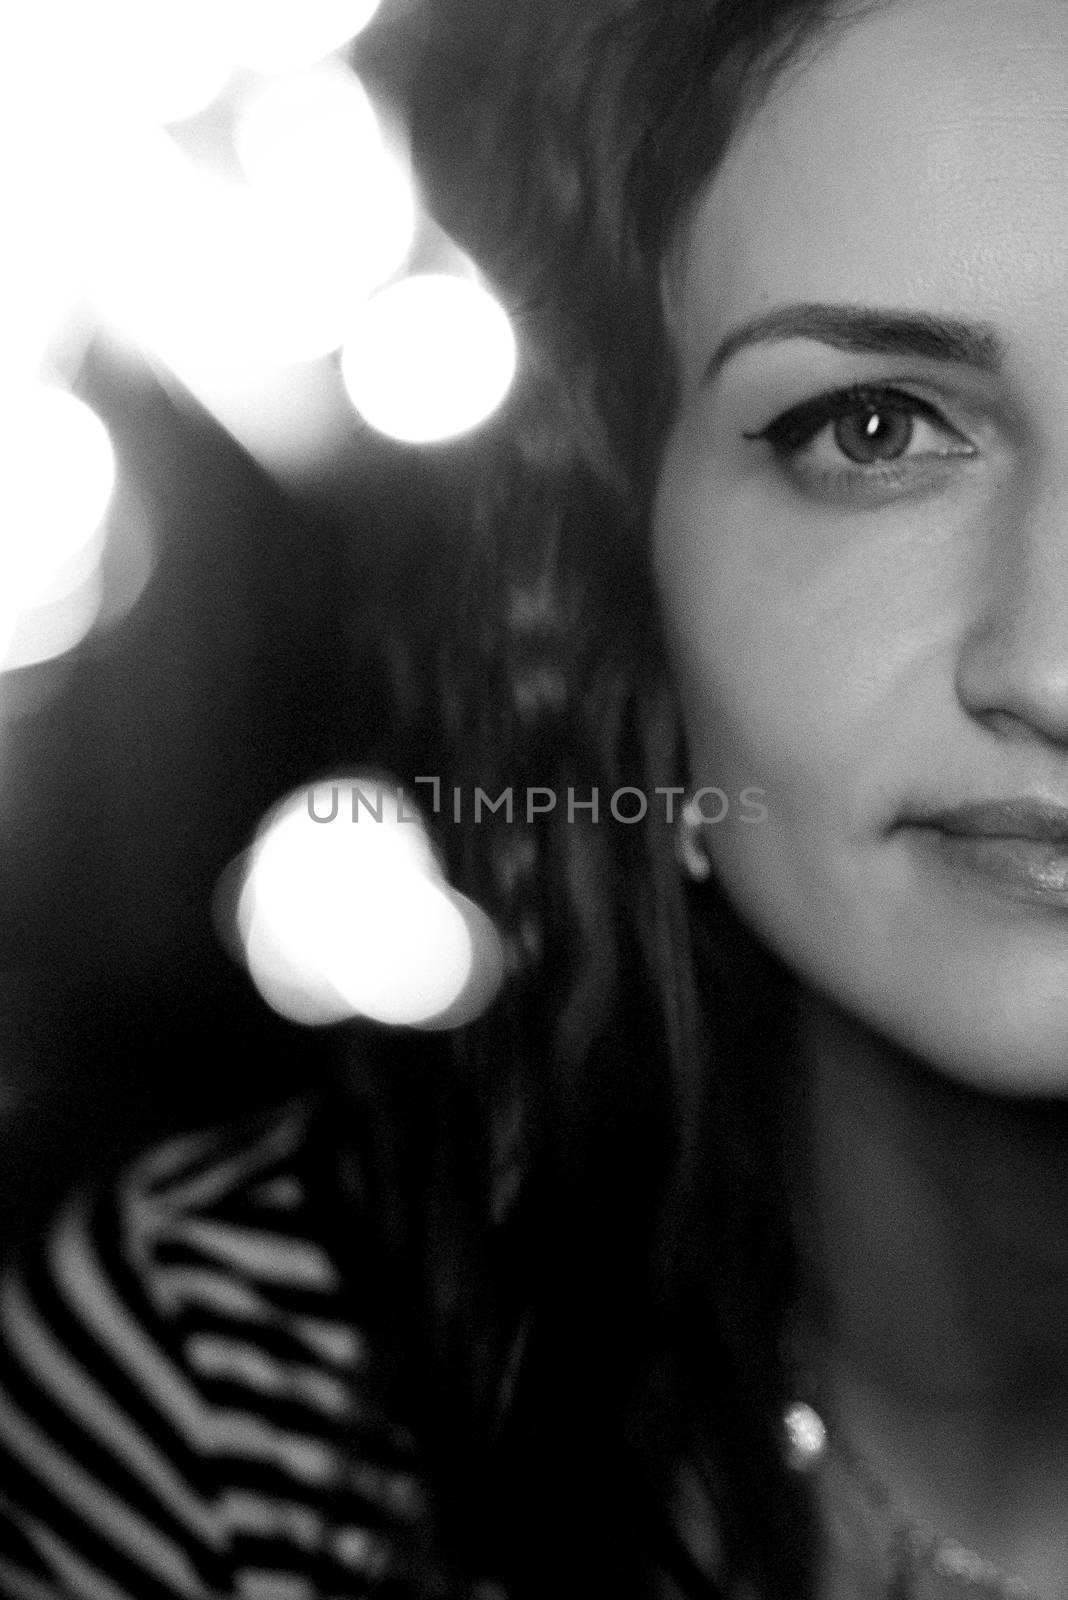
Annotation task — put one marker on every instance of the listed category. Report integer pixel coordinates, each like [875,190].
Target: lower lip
[1034,870]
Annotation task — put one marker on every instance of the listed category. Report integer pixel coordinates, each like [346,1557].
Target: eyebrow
[865,331]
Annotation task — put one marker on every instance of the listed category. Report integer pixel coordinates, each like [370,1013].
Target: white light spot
[214,276]
[128,560]
[282,35]
[39,290]
[162,59]
[430,357]
[314,153]
[350,916]
[41,633]
[307,128]
[50,161]
[60,474]
[806,1435]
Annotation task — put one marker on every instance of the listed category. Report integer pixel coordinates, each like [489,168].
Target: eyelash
[790,434]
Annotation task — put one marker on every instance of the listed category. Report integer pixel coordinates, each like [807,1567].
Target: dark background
[139,765]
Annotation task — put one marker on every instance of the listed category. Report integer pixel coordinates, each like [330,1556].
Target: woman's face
[862,527]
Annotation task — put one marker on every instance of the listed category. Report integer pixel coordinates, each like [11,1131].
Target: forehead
[919,156]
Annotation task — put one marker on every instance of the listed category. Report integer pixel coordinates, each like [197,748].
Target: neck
[938,1240]
[941,1218]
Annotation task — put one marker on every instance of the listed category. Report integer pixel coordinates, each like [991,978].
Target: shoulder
[225,1220]
[206,1236]
[180,1350]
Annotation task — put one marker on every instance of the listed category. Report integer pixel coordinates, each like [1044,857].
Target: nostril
[1012,668]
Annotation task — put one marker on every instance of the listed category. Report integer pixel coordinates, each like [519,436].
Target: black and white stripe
[180,1391]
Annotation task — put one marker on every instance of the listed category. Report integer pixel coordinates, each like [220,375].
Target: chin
[1009,1049]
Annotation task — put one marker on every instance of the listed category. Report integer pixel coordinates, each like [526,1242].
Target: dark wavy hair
[591,1257]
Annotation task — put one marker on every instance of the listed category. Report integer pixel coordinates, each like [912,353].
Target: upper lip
[1021,818]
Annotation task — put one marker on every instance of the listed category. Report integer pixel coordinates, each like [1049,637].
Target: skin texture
[860,655]
[864,646]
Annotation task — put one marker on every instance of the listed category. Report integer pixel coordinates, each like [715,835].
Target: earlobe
[690,849]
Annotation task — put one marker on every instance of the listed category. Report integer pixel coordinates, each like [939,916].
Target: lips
[1016,848]
[1042,821]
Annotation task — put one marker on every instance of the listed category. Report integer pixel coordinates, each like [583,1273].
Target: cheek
[766,669]
[774,656]
[811,649]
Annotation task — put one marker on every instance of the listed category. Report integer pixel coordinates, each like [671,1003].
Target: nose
[1012,669]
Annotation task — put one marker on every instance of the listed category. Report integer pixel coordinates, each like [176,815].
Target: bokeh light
[280,35]
[315,156]
[349,915]
[430,357]
[40,289]
[210,274]
[161,59]
[315,128]
[129,558]
[51,156]
[169,59]
[43,632]
[60,474]
[244,249]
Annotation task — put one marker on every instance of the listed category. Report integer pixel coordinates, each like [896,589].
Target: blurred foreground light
[44,632]
[348,915]
[211,275]
[60,471]
[50,162]
[280,35]
[163,59]
[307,128]
[430,357]
[312,149]
[39,293]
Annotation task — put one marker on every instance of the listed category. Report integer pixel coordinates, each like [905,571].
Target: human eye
[865,441]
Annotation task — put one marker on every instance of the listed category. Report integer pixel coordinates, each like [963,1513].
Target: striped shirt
[189,1411]
[181,1386]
